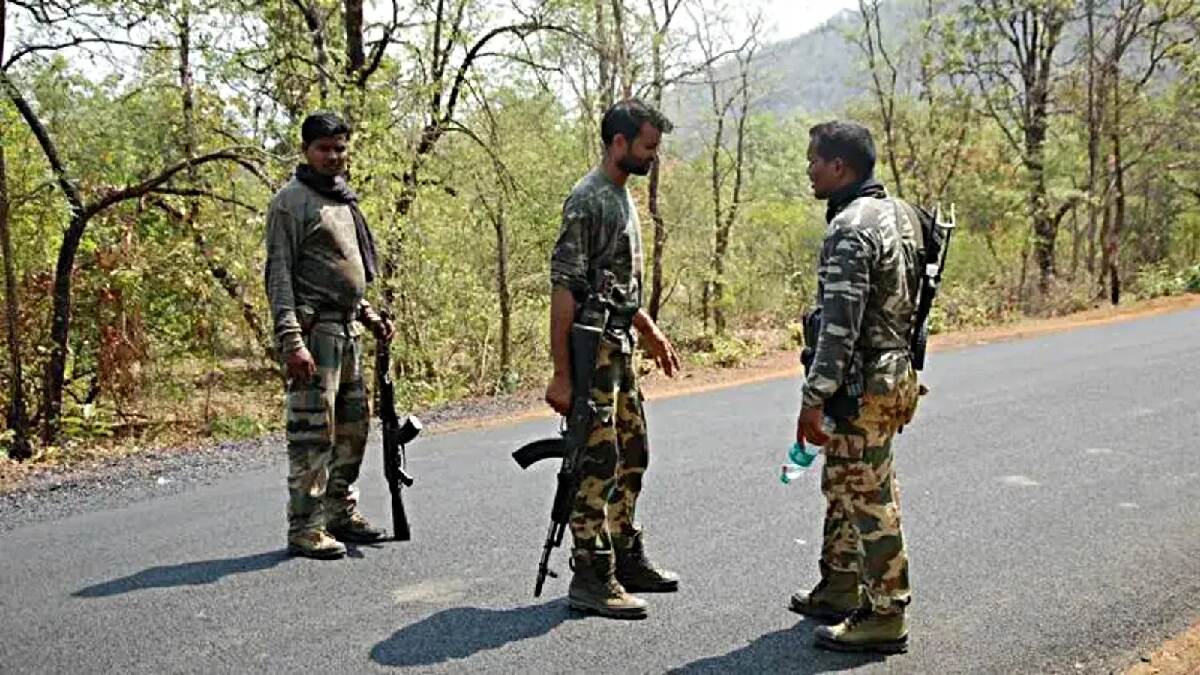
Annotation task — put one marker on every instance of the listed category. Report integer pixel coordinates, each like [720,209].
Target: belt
[335,316]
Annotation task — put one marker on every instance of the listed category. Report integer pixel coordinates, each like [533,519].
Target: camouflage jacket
[313,262]
[600,231]
[868,276]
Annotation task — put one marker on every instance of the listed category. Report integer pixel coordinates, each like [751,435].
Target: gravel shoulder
[48,493]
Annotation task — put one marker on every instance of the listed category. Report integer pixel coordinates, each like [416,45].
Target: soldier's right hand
[300,365]
[558,394]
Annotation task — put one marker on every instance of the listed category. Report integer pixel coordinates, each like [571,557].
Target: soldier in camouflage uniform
[320,258]
[601,232]
[868,277]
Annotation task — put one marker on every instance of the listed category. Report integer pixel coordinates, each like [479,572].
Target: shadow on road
[463,631]
[784,651]
[186,574]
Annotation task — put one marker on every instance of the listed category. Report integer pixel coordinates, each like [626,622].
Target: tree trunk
[504,295]
[356,57]
[604,53]
[1093,121]
[725,228]
[60,329]
[17,418]
[1044,228]
[660,243]
[1113,246]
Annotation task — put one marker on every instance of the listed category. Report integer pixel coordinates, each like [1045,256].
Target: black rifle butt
[532,453]
[410,428]
[400,531]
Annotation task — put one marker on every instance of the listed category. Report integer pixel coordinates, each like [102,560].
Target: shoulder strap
[914,218]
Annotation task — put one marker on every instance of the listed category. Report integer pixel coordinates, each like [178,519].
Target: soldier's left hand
[662,351]
[808,427]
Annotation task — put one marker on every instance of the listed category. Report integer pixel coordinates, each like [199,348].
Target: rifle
[396,433]
[935,245]
[586,333]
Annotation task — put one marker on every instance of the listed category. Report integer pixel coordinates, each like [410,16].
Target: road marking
[1019,481]
[1099,451]
[1128,505]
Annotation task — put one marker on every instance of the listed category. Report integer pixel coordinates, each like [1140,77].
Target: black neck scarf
[336,188]
[868,187]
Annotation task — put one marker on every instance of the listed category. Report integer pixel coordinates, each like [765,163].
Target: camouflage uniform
[601,231]
[315,282]
[868,275]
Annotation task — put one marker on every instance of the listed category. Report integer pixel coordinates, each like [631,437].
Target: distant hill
[815,74]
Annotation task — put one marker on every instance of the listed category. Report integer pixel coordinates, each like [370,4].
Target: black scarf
[868,187]
[338,190]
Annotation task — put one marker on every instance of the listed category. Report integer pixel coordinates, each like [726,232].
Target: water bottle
[800,457]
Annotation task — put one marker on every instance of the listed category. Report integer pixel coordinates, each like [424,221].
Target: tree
[83,208]
[1011,53]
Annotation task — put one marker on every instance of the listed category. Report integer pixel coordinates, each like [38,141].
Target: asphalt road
[1049,494]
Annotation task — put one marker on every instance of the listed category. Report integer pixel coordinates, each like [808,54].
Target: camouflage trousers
[616,457]
[862,522]
[327,419]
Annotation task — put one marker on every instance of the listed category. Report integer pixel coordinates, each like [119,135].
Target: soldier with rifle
[596,279]
[880,266]
[320,258]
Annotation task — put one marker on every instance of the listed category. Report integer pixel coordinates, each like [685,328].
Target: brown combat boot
[315,544]
[595,589]
[866,631]
[637,573]
[355,529]
[833,599]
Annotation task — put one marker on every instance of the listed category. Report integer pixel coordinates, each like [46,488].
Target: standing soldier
[868,277]
[601,238]
[320,258]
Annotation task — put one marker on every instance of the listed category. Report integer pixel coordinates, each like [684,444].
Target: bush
[1158,280]
[1191,281]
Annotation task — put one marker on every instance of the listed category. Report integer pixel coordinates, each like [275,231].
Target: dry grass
[1178,656]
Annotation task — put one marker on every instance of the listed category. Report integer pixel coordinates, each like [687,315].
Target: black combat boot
[636,572]
[833,599]
[595,589]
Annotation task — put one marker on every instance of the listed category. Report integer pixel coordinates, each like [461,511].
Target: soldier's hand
[300,365]
[808,427]
[662,351]
[558,394]
[384,331]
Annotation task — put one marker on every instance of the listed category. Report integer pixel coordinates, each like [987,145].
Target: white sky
[789,18]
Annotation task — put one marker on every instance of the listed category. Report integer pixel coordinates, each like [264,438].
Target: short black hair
[849,141]
[627,117]
[322,125]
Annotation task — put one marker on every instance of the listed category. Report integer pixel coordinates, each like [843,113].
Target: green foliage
[148,307]
[1160,279]
[236,427]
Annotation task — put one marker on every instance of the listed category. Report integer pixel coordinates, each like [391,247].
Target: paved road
[1050,490]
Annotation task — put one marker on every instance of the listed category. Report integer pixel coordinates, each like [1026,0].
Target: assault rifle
[396,433]
[935,245]
[586,333]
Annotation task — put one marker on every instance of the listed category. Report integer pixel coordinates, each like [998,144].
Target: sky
[789,18]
